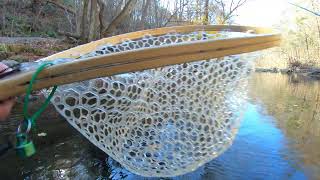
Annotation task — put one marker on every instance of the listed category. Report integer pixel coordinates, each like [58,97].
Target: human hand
[6,105]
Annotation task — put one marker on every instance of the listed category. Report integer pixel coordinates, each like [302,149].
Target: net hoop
[141,59]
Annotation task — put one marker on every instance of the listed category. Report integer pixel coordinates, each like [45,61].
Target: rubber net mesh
[165,121]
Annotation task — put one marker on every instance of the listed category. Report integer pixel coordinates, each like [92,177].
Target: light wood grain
[86,48]
[140,59]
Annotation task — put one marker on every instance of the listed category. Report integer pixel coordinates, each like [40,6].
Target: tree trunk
[35,6]
[78,18]
[84,21]
[206,13]
[156,13]
[118,19]
[101,17]
[145,7]
[93,20]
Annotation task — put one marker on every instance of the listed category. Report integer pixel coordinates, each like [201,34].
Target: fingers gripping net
[160,122]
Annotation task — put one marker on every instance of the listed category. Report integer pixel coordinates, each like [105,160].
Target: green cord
[28,92]
[24,146]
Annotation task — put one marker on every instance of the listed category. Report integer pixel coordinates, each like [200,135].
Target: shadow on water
[278,139]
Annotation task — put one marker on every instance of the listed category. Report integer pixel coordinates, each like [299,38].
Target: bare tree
[59,5]
[93,20]
[84,20]
[175,15]
[101,16]
[145,7]
[206,13]
[119,18]
[227,11]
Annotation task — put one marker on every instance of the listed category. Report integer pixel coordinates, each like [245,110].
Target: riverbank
[308,72]
[26,49]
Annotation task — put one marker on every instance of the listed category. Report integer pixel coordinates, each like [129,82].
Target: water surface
[279,139]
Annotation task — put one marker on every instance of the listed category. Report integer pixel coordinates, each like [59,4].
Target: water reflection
[294,102]
[278,139]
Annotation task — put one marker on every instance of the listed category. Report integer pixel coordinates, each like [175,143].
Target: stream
[279,139]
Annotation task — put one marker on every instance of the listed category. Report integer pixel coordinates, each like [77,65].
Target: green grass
[3,48]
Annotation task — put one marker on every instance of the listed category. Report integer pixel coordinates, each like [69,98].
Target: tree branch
[175,12]
[66,8]
[122,15]
[227,16]
[315,13]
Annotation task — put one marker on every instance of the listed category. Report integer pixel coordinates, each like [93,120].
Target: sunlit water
[279,139]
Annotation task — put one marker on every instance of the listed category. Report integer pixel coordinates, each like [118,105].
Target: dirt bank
[24,49]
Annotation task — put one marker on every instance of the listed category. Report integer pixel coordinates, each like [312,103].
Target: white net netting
[165,121]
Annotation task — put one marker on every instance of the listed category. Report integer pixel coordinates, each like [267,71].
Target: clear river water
[279,139]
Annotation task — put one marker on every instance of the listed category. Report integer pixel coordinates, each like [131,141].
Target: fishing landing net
[165,121]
